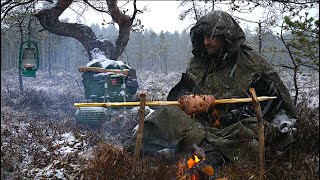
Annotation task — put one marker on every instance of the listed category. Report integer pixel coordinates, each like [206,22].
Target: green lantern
[29,58]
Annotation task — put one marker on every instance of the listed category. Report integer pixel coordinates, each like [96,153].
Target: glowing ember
[189,171]
[195,166]
[208,170]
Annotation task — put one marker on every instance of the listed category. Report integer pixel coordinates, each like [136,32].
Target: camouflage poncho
[236,68]
[228,74]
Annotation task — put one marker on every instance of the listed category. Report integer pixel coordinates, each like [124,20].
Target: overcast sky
[162,15]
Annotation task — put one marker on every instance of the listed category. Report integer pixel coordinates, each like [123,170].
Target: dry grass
[111,162]
[30,123]
[27,121]
[237,171]
[300,161]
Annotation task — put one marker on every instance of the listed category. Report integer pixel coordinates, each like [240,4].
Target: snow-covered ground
[308,85]
[39,138]
[158,85]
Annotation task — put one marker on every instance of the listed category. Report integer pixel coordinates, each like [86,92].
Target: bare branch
[50,22]
[93,7]
[135,10]
[7,10]
[5,3]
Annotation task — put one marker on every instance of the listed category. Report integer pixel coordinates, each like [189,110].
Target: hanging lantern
[29,58]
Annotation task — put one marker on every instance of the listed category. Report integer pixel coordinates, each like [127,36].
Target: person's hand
[195,104]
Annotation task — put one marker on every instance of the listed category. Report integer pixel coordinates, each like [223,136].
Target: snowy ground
[39,138]
[308,84]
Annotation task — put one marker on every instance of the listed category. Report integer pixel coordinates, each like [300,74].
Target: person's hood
[216,23]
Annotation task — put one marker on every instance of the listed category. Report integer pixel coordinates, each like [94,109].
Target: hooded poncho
[235,69]
[228,74]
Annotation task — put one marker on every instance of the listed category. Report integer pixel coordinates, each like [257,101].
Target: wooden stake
[170,103]
[260,134]
[140,129]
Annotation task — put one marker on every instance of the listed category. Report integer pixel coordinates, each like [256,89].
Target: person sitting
[223,66]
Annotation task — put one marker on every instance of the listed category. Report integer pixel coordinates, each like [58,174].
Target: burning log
[195,167]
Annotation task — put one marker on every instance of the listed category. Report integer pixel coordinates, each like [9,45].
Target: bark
[125,24]
[50,22]
[19,70]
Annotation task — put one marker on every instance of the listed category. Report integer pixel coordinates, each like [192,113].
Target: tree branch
[5,3]
[50,22]
[125,24]
[7,10]
[93,7]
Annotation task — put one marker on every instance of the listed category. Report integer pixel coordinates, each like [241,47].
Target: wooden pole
[170,103]
[102,70]
[140,129]
[260,134]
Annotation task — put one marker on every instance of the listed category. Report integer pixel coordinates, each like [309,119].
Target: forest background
[39,138]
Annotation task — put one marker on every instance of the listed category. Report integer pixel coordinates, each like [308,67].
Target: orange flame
[183,167]
[186,170]
[193,161]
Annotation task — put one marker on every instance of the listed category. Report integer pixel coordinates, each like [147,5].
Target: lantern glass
[29,58]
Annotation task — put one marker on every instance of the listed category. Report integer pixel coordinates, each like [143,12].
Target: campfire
[195,167]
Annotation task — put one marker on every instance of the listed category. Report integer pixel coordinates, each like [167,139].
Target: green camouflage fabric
[233,72]
[227,75]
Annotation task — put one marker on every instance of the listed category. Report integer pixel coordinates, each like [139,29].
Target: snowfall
[39,137]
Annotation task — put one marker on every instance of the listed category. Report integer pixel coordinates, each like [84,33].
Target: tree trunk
[50,55]
[50,22]
[65,54]
[295,69]
[19,70]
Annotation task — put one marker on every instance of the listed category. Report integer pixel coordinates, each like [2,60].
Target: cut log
[102,70]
